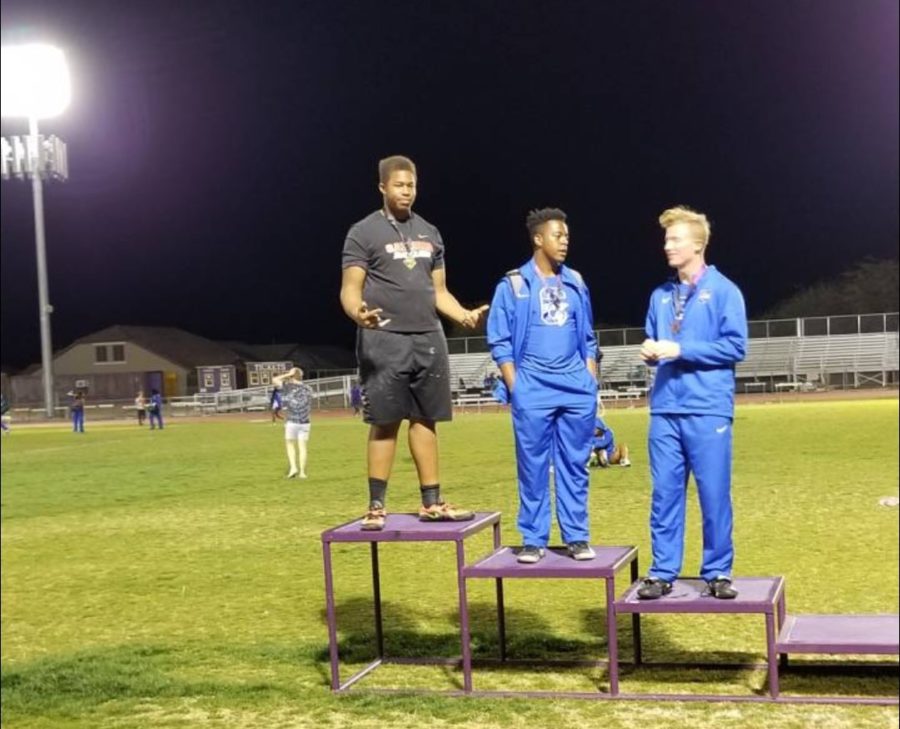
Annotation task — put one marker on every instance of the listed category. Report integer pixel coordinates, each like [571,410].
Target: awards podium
[766,596]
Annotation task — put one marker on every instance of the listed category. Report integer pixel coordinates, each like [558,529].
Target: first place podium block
[399,528]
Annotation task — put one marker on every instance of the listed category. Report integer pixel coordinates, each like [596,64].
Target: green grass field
[174,579]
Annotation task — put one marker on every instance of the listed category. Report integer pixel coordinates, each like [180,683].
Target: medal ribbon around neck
[677,306]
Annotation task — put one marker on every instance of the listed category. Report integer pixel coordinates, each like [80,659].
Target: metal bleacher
[773,363]
[470,368]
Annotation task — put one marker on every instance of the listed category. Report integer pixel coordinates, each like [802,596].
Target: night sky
[219,150]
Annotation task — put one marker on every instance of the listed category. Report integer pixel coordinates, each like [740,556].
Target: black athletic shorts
[403,376]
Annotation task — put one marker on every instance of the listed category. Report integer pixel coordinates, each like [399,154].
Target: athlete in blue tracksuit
[604,449]
[540,331]
[696,332]
[155,410]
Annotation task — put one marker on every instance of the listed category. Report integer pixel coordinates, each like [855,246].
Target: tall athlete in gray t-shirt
[393,287]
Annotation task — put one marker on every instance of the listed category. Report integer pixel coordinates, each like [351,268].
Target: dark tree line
[869,287]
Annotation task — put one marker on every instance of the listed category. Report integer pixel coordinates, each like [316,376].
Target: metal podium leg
[636,617]
[332,620]
[770,655]
[376,597]
[464,617]
[611,636]
[501,612]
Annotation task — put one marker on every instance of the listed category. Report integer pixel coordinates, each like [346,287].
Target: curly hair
[536,218]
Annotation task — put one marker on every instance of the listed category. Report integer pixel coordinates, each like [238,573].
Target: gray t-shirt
[399,257]
[297,399]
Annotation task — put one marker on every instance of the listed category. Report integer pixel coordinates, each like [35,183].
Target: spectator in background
[154,409]
[77,409]
[275,403]
[140,407]
[604,449]
[297,398]
[4,409]
[356,399]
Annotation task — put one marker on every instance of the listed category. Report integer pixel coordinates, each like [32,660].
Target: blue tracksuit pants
[78,421]
[678,446]
[553,418]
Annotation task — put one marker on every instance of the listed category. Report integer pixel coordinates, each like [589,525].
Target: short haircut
[392,164]
[536,218]
[683,214]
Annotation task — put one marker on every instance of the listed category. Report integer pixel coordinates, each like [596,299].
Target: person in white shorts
[296,398]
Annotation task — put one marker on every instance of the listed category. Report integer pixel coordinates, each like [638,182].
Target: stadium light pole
[35,85]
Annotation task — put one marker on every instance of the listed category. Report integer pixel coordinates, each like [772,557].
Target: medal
[676,326]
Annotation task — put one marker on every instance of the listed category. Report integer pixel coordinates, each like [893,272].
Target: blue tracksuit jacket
[553,411]
[508,319]
[692,408]
[713,338]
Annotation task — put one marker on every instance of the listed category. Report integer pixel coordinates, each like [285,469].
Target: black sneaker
[721,588]
[653,588]
[580,551]
[530,554]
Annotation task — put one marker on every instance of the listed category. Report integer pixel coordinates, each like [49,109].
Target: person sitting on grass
[604,449]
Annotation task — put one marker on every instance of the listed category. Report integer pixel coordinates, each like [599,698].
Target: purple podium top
[555,563]
[859,634]
[408,528]
[755,595]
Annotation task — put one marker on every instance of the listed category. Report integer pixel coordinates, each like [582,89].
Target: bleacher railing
[758,329]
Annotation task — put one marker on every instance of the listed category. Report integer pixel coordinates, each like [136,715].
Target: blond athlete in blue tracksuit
[540,331]
[696,333]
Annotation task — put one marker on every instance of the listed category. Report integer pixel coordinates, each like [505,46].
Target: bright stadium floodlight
[34,84]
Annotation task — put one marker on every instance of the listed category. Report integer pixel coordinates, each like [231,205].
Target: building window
[254,379]
[225,378]
[209,381]
[109,353]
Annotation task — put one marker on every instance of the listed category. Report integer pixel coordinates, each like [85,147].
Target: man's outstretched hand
[369,318]
[472,317]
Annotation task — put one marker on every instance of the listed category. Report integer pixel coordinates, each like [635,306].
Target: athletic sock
[431,495]
[377,489]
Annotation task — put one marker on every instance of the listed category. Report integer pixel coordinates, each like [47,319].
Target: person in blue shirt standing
[4,409]
[77,409]
[275,404]
[696,333]
[154,409]
[541,334]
